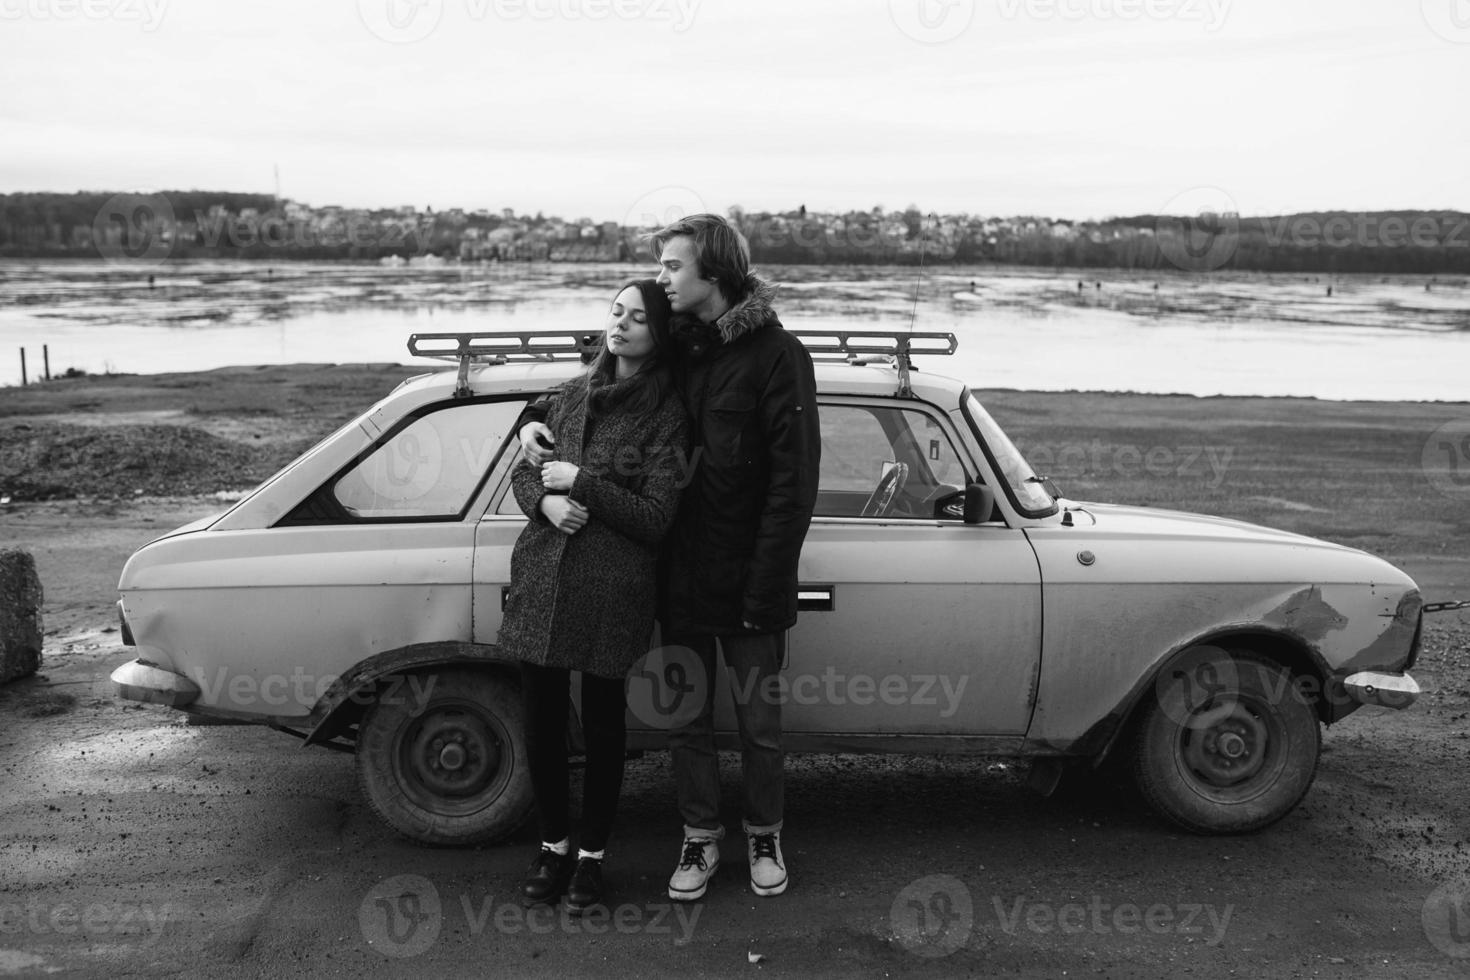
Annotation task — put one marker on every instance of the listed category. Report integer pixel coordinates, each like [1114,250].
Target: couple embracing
[695,366]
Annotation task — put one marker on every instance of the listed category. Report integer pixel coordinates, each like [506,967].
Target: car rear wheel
[1227,744]
[446,764]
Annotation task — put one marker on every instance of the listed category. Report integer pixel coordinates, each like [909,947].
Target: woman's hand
[564,513]
[537,443]
[558,476]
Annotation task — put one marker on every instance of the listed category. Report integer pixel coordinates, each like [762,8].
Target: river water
[1374,338]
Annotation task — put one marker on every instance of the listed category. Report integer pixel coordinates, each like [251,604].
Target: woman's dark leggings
[546,692]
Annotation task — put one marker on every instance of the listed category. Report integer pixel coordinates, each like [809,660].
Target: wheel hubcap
[452,756]
[452,752]
[1232,745]
[1226,744]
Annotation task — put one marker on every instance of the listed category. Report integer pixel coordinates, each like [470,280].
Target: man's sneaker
[697,862]
[546,878]
[767,867]
[585,889]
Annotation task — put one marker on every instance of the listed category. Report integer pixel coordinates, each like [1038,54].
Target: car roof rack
[877,347]
[501,347]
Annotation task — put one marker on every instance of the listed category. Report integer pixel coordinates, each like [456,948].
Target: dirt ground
[139,844]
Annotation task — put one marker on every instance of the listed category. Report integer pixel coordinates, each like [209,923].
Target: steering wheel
[881,499]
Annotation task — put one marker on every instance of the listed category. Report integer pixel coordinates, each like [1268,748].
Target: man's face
[679,275]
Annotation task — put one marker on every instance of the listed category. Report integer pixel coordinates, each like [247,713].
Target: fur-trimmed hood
[751,313]
[740,320]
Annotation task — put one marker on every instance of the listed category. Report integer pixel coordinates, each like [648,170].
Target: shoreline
[13,399]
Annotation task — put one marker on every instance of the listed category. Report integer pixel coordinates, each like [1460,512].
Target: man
[730,562]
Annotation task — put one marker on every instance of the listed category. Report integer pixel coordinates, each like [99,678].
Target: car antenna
[902,360]
[919,279]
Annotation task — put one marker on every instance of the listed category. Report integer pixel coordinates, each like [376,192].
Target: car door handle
[816,598]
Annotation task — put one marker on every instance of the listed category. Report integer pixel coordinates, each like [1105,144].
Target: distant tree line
[221,224]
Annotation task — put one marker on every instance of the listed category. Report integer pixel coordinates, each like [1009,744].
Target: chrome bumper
[1384,690]
[138,680]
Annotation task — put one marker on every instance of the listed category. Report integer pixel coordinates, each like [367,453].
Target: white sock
[560,847]
[594,855]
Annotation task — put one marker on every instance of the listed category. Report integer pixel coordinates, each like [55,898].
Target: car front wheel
[446,764]
[1227,743]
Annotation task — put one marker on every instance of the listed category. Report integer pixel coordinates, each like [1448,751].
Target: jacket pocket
[725,419]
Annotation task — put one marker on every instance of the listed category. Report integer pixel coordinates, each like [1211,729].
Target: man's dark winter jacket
[752,400]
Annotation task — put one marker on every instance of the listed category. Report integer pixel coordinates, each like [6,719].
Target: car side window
[862,443]
[431,467]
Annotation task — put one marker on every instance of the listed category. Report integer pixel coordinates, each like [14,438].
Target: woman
[582,575]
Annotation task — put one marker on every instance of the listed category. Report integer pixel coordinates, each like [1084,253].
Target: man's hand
[564,513]
[558,476]
[537,442]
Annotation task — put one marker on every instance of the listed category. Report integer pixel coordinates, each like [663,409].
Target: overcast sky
[621,108]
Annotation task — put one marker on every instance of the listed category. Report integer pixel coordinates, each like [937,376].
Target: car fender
[1279,644]
[394,673]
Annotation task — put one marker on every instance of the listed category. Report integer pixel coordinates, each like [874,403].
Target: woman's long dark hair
[647,389]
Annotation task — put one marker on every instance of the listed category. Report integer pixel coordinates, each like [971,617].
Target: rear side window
[430,467]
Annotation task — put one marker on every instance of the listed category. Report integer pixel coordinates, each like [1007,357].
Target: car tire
[446,765]
[1227,743]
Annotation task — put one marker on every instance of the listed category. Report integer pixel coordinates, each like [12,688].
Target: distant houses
[204,224]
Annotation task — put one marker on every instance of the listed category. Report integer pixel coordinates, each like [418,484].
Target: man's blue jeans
[751,660]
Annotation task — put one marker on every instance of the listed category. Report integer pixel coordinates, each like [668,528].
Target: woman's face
[628,337]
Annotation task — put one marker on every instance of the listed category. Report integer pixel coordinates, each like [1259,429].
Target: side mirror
[979,503]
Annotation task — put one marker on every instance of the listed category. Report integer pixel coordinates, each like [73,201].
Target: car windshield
[1028,491]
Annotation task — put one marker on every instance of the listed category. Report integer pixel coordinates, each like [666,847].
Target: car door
[495,539]
[912,622]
